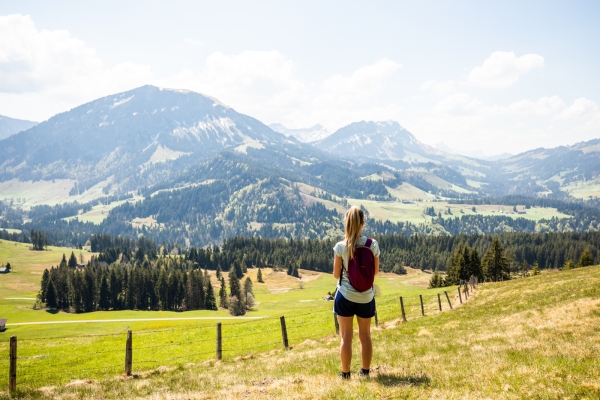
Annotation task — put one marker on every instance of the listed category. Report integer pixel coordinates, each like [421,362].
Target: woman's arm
[337,266]
[376,265]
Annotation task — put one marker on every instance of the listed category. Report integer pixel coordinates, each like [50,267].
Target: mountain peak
[305,135]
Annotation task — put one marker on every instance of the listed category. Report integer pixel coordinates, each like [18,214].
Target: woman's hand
[337,266]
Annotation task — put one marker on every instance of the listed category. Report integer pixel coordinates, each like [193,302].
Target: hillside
[182,167]
[529,338]
[10,126]
[131,140]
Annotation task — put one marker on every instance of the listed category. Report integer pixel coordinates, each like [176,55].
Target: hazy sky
[489,76]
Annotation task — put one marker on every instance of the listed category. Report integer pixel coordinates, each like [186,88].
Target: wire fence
[64,358]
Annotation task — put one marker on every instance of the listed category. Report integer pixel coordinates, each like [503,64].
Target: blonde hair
[353,221]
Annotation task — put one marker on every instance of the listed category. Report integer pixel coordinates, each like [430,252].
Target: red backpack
[361,268]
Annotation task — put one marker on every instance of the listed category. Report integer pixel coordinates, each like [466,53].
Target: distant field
[48,192]
[583,190]
[415,213]
[98,213]
[406,191]
[10,230]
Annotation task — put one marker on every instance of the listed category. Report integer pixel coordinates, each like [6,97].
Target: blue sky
[477,76]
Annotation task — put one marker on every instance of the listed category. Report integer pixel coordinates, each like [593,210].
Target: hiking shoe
[344,375]
[364,373]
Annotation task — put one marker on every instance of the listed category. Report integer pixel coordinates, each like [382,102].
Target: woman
[349,301]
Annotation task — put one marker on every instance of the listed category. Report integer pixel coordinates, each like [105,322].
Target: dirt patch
[279,290]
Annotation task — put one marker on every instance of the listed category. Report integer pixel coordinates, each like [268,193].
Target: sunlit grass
[530,338]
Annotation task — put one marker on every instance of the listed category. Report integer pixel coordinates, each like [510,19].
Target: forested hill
[134,139]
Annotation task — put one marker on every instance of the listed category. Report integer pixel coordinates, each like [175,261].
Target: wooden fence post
[466,291]
[459,295]
[219,342]
[376,319]
[402,308]
[12,375]
[440,302]
[448,298]
[284,333]
[337,324]
[128,354]
[422,308]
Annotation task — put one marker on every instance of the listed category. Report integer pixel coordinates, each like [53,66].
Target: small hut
[2,324]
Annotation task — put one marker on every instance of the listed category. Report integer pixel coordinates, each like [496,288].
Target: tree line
[164,283]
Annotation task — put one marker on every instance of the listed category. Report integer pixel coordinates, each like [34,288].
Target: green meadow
[57,347]
[537,338]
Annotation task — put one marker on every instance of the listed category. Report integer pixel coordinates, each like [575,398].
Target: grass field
[583,190]
[56,352]
[535,338]
[415,212]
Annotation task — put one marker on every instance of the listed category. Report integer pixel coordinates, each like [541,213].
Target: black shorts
[347,308]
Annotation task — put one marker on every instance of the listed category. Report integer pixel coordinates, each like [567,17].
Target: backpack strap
[368,242]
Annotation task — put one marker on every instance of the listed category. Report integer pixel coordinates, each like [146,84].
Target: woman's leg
[346,346]
[366,346]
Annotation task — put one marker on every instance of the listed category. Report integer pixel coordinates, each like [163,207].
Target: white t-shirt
[346,289]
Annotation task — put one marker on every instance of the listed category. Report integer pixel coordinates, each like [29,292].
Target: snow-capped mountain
[383,141]
[306,135]
[123,134]
[10,126]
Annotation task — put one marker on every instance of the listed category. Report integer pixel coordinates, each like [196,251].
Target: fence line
[229,341]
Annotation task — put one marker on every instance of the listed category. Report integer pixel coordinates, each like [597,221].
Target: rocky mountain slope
[135,137]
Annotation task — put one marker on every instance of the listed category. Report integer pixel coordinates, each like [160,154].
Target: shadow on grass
[391,379]
[52,311]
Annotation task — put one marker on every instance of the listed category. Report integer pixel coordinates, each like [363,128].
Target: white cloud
[503,69]
[361,86]
[457,103]
[582,109]
[543,107]
[54,70]
[439,88]
[263,84]
[249,81]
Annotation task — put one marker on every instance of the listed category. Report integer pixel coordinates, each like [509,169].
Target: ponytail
[353,221]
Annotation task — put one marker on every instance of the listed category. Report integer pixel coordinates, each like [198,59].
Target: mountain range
[308,135]
[201,172]
[10,126]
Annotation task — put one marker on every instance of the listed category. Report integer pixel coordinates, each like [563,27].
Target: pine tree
[63,262]
[586,258]
[237,269]
[248,286]
[51,296]
[219,271]
[72,261]
[259,277]
[209,300]
[568,265]
[476,264]
[223,303]
[436,281]
[104,300]
[235,292]
[495,265]
[535,270]
[44,285]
